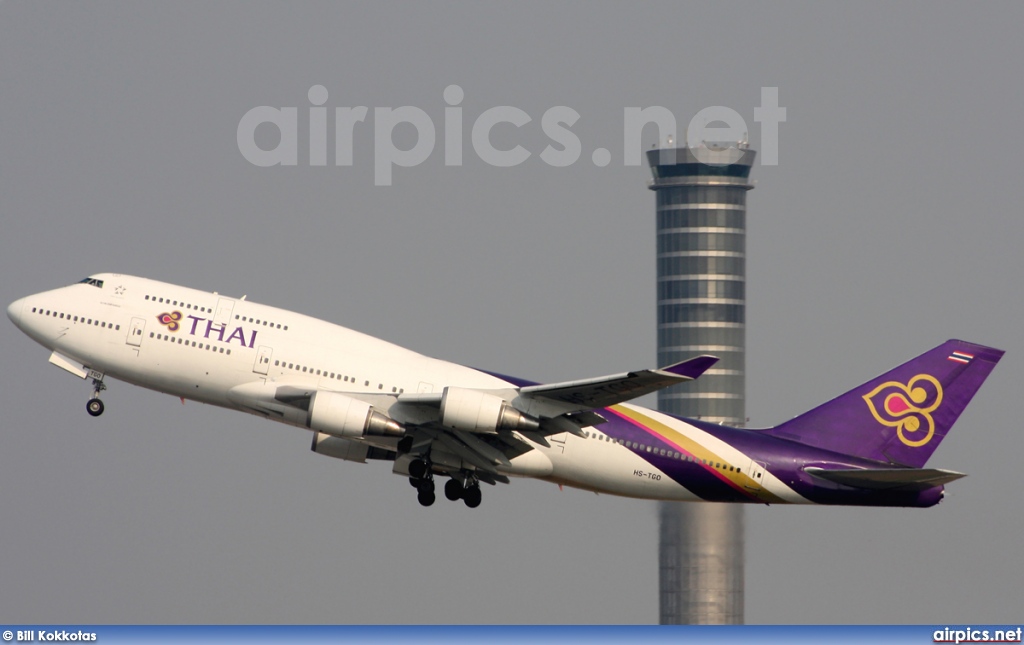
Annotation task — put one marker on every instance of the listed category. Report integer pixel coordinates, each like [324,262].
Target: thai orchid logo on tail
[908,408]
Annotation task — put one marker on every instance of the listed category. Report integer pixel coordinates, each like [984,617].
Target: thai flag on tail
[961,357]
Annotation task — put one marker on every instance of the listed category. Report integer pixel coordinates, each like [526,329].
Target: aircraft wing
[603,391]
[554,408]
[888,478]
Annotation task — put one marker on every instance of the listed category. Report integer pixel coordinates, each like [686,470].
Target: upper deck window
[93,281]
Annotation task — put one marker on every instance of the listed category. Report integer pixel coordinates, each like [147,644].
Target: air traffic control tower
[701,256]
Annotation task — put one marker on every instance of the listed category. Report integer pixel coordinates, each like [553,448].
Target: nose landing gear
[95,406]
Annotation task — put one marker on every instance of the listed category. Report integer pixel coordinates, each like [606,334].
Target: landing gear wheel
[415,483]
[426,498]
[425,486]
[453,489]
[472,496]
[94,407]
[418,468]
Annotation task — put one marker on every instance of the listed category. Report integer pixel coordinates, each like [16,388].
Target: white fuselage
[203,346]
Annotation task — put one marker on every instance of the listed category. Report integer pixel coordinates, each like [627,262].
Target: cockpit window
[93,281]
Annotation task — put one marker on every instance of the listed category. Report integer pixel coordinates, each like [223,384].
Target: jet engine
[477,411]
[342,416]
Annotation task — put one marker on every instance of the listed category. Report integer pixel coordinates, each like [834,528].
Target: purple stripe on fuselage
[700,479]
[782,458]
[787,459]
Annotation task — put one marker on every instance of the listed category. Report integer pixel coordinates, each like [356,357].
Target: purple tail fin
[901,416]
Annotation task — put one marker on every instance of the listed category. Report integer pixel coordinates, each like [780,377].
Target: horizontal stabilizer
[888,478]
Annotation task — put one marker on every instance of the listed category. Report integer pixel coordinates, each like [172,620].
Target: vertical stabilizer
[901,416]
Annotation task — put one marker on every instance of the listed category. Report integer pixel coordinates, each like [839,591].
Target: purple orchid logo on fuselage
[170,320]
[908,408]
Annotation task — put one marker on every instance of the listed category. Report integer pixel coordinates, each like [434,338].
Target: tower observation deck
[701,268]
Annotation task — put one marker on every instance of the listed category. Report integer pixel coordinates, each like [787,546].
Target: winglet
[691,368]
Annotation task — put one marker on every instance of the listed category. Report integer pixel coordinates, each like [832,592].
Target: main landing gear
[468,492]
[421,477]
[464,487]
[95,407]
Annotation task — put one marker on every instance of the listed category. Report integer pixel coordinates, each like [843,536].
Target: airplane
[365,399]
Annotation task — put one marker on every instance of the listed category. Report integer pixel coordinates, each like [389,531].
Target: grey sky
[891,223]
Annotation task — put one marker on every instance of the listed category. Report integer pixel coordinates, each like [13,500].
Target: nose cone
[14,311]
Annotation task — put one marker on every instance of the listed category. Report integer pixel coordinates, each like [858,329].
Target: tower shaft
[701,269]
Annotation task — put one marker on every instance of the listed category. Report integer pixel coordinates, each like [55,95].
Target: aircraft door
[757,474]
[262,364]
[135,331]
[224,309]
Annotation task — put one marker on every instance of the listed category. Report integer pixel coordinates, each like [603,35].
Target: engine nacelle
[477,411]
[342,416]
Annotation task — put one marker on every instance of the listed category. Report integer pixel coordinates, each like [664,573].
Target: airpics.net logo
[705,132]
